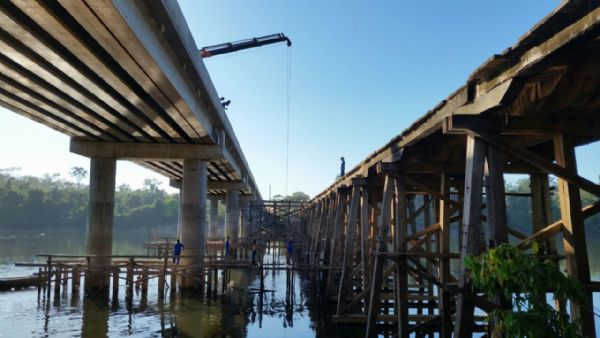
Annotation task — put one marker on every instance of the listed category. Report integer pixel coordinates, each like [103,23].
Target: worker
[227,246]
[254,252]
[177,252]
[342,167]
[290,251]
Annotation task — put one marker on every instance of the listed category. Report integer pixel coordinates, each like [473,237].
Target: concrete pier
[232,214]
[213,226]
[100,222]
[193,221]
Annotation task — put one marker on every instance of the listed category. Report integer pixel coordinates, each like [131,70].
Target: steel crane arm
[230,47]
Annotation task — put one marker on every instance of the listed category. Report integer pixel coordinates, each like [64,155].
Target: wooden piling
[115,282]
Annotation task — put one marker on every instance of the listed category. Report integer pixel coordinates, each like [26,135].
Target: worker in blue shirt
[177,252]
[342,167]
[227,245]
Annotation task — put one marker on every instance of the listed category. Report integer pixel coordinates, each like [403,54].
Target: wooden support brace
[475,158]
[348,248]
[382,238]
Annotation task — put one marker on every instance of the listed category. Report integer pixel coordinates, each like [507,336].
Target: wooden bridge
[393,233]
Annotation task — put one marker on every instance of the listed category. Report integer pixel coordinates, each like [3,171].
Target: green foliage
[53,204]
[296,196]
[506,271]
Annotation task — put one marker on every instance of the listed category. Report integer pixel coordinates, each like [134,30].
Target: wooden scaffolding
[391,236]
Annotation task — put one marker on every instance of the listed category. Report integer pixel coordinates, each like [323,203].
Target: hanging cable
[287,117]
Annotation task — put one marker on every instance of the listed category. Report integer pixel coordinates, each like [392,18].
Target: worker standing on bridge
[342,167]
[177,252]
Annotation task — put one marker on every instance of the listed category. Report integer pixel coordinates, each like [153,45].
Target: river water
[290,306]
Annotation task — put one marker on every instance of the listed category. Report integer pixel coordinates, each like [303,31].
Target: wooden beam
[382,237]
[364,236]
[348,248]
[336,238]
[541,212]
[431,228]
[475,158]
[401,278]
[432,192]
[475,127]
[574,242]
[444,266]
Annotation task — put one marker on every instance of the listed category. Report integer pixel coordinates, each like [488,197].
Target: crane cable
[287,115]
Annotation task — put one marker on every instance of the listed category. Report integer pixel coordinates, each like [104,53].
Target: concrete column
[243,219]
[100,222]
[193,221]
[213,227]
[232,215]
[179,215]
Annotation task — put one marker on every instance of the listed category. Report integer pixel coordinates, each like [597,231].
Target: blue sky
[362,71]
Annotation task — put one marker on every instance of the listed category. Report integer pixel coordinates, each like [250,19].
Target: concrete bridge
[124,80]
[389,229]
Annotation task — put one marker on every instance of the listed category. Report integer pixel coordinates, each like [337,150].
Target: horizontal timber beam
[474,126]
[522,125]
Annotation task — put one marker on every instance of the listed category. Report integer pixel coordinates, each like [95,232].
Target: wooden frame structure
[392,234]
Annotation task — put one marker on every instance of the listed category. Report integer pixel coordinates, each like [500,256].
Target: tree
[152,185]
[78,173]
[298,196]
[524,280]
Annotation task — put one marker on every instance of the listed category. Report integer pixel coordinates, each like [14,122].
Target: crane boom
[229,47]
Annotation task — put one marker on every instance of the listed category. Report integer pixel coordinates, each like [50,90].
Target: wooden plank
[431,228]
[348,248]
[364,235]
[496,210]
[336,239]
[432,192]
[541,234]
[541,212]
[382,236]
[574,242]
[475,158]
[496,201]
[366,292]
[417,244]
[444,266]
[401,278]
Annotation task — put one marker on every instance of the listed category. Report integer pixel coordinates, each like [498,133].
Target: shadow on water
[290,306]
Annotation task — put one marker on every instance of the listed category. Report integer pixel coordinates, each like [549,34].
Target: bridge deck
[126,72]
[413,210]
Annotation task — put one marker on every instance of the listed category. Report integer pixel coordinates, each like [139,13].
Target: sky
[361,73]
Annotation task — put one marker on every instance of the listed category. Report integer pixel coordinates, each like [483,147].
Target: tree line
[52,203]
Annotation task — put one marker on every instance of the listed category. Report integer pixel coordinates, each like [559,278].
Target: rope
[287,116]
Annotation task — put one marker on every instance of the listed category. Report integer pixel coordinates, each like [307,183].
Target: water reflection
[95,317]
[281,303]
